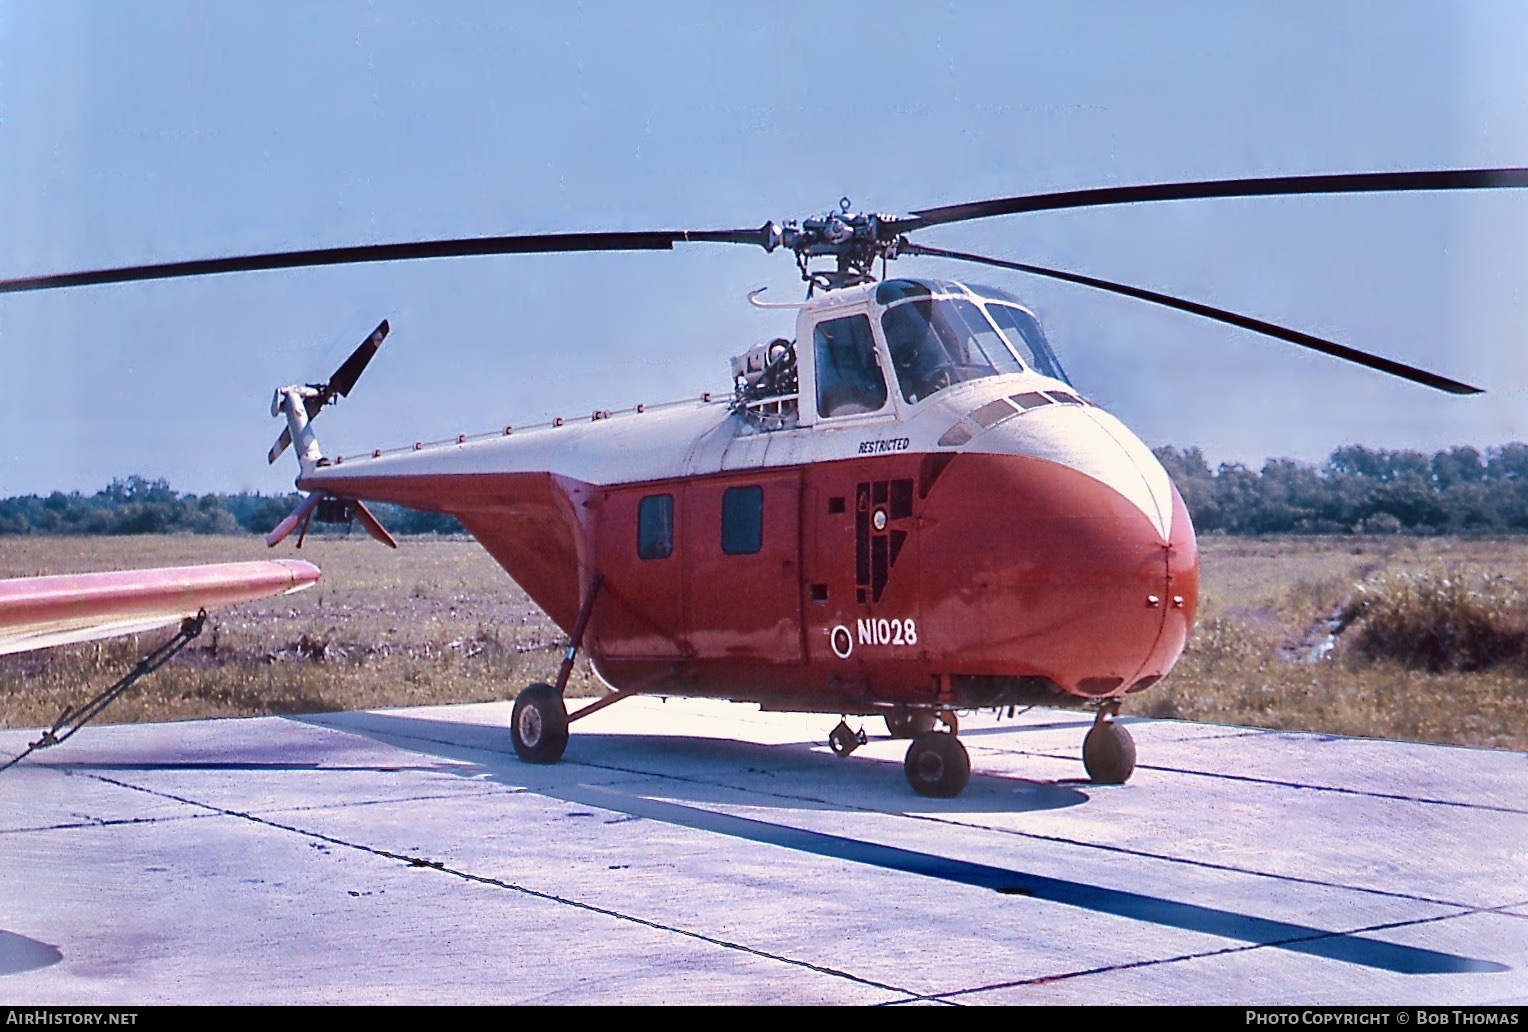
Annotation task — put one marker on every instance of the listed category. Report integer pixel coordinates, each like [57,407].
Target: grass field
[438,621]
[1263,603]
[435,621]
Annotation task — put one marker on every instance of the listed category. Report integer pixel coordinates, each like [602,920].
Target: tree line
[136,505]
[1358,490]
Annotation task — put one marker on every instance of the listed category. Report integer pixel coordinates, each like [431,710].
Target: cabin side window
[655,527]
[849,380]
[742,520]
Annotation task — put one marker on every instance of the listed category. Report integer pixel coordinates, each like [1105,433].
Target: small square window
[655,527]
[742,520]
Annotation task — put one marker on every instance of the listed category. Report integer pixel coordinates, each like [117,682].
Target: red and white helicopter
[906,510]
[41,612]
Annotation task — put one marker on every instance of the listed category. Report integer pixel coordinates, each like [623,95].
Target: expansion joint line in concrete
[1340,790]
[1208,865]
[1109,969]
[102,822]
[1038,837]
[522,889]
[1281,783]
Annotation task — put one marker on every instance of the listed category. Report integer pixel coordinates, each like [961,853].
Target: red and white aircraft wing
[39,612]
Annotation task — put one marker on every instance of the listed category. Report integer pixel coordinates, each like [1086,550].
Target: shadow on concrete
[794,766]
[704,770]
[19,954]
[1258,931]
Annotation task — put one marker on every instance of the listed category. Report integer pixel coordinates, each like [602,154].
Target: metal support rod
[623,693]
[578,633]
[71,720]
[1107,708]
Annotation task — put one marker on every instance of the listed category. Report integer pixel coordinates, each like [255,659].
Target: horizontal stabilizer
[298,515]
[373,526]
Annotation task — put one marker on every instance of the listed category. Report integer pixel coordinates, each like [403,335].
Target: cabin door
[742,534]
[641,614]
[862,572]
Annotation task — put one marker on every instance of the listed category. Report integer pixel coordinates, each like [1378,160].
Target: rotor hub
[854,239]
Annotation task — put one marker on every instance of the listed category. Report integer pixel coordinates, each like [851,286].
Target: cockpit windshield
[936,343]
[966,334]
[1024,334]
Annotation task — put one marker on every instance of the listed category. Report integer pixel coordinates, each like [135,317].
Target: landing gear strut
[539,724]
[937,765]
[1108,752]
[909,723]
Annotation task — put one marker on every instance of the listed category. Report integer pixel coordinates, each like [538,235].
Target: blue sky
[165,131]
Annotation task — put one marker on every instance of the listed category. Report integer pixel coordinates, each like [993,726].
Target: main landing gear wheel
[539,724]
[909,723]
[1108,753]
[937,765]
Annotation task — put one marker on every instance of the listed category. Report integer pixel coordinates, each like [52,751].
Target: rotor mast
[854,239]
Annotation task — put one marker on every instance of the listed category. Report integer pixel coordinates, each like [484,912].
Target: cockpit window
[849,381]
[1024,334]
[898,289]
[941,342]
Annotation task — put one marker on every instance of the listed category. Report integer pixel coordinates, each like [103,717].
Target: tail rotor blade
[297,515]
[282,444]
[339,384]
[350,371]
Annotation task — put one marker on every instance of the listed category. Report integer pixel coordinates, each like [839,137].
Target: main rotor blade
[543,243]
[1246,322]
[1359,182]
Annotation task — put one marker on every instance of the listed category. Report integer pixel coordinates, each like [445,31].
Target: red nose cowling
[1034,569]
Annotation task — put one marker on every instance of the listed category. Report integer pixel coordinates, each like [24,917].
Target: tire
[539,724]
[1108,753]
[937,765]
[909,723]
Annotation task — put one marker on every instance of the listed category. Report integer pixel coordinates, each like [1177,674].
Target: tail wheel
[909,723]
[539,724]
[1108,753]
[937,765]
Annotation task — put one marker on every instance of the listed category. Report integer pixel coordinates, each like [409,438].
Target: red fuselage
[988,580]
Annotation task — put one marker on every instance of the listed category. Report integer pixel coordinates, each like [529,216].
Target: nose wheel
[937,765]
[1108,751]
